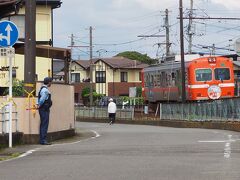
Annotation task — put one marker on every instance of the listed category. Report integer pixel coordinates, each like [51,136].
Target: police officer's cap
[47,80]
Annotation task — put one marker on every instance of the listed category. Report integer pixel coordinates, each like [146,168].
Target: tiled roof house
[111,76]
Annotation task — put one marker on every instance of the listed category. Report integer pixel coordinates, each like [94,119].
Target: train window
[163,79]
[168,79]
[146,80]
[222,73]
[158,79]
[152,80]
[203,74]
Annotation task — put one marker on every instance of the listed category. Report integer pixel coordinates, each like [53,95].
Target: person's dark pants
[44,117]
[112,117]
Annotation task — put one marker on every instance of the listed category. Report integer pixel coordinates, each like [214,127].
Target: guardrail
[218,110]
[4,121]
[101,113]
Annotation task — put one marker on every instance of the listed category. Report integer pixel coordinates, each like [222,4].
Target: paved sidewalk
[9,153]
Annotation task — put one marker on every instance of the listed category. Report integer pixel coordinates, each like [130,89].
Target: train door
[179,84]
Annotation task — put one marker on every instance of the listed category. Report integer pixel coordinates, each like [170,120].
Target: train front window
[203,74]
[222,74]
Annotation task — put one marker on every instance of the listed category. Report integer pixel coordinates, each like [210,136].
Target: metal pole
[91,69]
[167,34]
[70,63]
[190,33]
[10,102]
[182,51]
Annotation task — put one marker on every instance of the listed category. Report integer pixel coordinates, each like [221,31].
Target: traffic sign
[8,33]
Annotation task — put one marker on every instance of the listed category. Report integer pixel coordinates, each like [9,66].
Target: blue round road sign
[8,33]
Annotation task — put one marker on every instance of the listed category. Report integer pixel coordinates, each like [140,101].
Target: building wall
[113,85]
[43,33]
[61,115]
[43,22]
[78,87]
[120,88]
[78,69]
[101,88]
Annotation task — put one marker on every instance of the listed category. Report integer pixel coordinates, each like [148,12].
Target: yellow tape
[29,85]
[28,102]
[3,104]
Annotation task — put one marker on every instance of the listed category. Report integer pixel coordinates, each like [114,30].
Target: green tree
[137,56]
[86,95]
[139,91]
[17,88]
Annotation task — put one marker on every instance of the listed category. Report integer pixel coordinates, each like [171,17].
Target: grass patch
[9,156]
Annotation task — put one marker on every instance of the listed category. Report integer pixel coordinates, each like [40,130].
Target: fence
[101,113]
[218,110]
[4,120]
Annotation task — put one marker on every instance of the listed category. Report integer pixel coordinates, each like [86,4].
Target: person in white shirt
[112,108]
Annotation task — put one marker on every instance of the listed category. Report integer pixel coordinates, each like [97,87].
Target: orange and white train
[205,78]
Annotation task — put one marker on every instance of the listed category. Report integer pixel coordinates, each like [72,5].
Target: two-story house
[111,76]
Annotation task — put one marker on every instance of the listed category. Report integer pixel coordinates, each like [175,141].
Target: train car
[205,78]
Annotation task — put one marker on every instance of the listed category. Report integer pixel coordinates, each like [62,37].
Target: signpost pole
[10,101]
[8,37]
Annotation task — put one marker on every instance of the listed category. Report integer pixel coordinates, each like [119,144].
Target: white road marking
[36,149]
[227,148]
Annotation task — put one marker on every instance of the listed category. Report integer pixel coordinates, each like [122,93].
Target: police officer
[44,105]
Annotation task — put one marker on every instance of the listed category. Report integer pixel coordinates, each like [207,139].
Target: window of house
[100,76]
[124,76]
[75,77]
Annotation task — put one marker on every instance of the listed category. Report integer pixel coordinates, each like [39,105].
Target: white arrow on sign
[8,37]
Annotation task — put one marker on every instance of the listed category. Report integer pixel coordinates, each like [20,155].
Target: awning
[9,6]
[46,51]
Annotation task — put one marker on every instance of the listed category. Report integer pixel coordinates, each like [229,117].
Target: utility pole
[167,33]
[182,51]
[30,45]
[91,67]
[70,63]
[190,32]
[72,41]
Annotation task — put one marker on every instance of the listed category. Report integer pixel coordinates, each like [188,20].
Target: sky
[118,23]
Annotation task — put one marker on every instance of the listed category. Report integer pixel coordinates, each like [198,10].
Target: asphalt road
[134,152]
